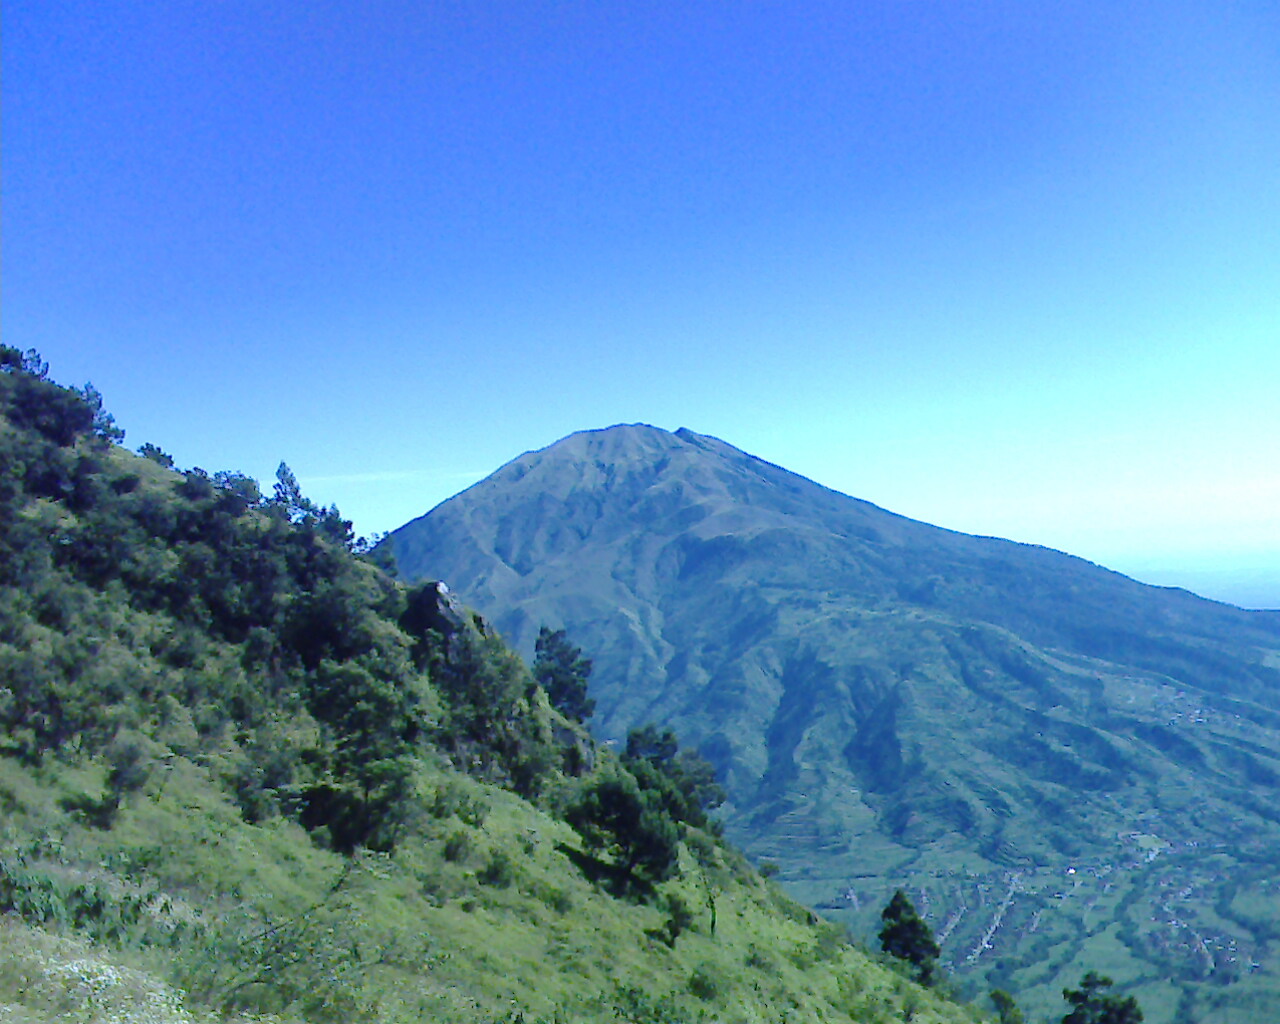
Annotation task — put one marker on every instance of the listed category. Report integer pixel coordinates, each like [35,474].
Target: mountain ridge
[890,525]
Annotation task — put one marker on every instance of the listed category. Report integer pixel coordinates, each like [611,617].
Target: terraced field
[1186,927]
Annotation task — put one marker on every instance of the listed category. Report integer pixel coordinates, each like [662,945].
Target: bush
[557,899]
[703,984]
[452,799]
[457,847]
[498,871]
[679,919]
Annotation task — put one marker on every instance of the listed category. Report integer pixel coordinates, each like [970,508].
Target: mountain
[1069,768]
[247,776]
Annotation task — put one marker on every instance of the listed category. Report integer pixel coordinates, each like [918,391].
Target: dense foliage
[141,601]
[682,781]
[136,598]
[561,670]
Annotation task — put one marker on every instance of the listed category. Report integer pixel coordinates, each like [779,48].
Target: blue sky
[1012,268]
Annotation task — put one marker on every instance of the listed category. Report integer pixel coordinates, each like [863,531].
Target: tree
[104,424]
[906,936]
[1006,1008]
[32,402]
[614,815]
[561,670]
[649,743]
[684,781]
[288,495]
[1092,1004]
[14,360]
[156,454]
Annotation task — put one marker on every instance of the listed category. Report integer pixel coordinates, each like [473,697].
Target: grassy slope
[508,925]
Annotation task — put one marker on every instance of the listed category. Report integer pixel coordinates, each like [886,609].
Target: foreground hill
[1069,768]
[246,776]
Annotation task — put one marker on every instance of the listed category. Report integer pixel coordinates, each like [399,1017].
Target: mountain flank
[1036,746]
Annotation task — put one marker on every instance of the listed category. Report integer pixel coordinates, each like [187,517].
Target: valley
[1186,927]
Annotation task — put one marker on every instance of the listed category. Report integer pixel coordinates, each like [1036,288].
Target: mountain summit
[888,701]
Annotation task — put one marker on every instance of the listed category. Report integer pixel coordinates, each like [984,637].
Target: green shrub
[498,870]
[102,911]
[457,847]
[452,800]
[551,896]
[634,1004]
[679,919]
[703,984]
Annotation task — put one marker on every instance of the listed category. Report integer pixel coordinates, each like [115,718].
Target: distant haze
[1253,585]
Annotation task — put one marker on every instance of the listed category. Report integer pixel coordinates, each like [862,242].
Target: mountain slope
[245,775]
[889,701]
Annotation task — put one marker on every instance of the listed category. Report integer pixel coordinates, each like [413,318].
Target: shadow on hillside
[614,879]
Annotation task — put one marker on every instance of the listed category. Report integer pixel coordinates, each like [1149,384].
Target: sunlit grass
[279,930]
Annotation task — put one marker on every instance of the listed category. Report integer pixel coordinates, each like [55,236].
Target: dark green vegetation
[561,670]
[1065,769]
[905,935]
[246,775]
[1091,1003]
[1007,1009]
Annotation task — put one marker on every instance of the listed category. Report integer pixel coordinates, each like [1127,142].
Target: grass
[274,929]
[48,977]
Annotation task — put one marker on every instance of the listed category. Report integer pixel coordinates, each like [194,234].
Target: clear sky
[1011,268]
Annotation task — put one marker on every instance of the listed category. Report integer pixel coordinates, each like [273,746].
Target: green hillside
[245,775]
[1066,768]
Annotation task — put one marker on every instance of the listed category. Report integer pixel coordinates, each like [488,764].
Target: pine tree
[906,936]
[562,671]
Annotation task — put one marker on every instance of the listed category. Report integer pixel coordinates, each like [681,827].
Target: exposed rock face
[440,610]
